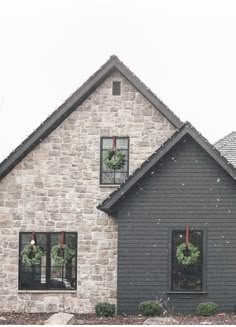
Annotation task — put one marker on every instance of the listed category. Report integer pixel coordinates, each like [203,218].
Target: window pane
[186,277]
[108,178]
[32,276]
[124,169]
[104,166]
[122,143]
[62,272]
[120,177]
[107,143]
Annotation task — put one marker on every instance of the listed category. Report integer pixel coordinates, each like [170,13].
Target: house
[95,203]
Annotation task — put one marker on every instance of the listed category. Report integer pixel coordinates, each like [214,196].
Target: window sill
[186,292]
[109,185]
[47,291]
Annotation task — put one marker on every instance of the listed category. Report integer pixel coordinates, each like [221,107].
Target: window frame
[204,259]
[48,262]
[101,159]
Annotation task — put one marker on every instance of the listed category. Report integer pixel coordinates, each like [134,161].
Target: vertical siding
[186,187]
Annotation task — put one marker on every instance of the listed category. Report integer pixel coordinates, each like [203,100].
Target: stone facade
[56,187]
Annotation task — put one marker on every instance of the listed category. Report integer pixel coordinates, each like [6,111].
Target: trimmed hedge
[206,309]
[150,308]
[105,309]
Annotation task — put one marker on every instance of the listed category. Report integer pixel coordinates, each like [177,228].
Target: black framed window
[47,272]
[108,175]
[116,88]
[187,277]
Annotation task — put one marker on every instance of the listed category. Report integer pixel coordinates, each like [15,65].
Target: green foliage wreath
[67,255]
[185,260]
[114,159]
[31,255]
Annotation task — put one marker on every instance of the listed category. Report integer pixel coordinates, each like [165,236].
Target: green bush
[206,309]
[150,308]
[104,309]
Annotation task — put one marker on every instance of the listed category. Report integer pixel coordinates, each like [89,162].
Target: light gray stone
[56,187]
[60,318]
[160,321]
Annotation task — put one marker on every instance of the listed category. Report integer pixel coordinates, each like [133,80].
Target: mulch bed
[91,319]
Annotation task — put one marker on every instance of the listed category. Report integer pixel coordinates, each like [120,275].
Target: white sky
[185,51]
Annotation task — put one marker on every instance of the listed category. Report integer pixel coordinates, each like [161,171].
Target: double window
[47,261]
[187,275]
[109,175]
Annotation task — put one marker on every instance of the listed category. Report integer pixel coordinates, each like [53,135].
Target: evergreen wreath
[114,159]
[60,260]
[184,259]
[31,255]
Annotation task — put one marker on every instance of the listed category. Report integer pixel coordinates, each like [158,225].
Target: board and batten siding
[186,187]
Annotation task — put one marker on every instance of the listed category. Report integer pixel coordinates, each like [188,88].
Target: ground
[91,319]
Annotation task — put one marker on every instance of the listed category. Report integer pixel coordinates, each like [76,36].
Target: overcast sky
[185,51]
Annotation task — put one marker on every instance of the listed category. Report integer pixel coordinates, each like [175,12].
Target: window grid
[112,177]
[43,276]
[187,278]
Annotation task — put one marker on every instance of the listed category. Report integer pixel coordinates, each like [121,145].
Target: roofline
[108,204]
[60,114]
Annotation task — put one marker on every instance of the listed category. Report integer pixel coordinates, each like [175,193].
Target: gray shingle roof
[227,147]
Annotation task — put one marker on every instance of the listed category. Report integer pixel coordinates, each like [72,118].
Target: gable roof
[108,204]
[227,146]
[59,115]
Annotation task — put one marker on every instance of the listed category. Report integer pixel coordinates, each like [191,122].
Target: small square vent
[116,87]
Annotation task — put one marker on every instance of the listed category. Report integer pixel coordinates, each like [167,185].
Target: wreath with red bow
[186,253]
[114,159]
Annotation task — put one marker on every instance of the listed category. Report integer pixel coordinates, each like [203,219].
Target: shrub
[150,308]
[206,309]
[105,309]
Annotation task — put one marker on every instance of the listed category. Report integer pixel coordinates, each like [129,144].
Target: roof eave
[108,204]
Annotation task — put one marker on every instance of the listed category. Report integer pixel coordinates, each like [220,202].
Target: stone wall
[56,187]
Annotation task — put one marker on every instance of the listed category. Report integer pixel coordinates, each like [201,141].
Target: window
[108,175]
[116,87]
[54,266]
[187,277]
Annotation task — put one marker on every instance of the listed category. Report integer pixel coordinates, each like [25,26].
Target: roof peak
[185,129]
[74,101]
[114,56]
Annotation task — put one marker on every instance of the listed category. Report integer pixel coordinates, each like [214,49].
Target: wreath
[31,255]
[114,159]
[183,258]
[61,254]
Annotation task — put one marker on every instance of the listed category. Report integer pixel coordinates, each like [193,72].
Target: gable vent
[116,87]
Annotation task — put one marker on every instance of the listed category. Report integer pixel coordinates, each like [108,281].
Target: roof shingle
[227,147]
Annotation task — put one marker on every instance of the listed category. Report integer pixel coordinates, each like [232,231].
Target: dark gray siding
[186,187]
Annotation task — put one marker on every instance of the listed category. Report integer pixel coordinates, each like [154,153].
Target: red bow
[187,237]
[62,239]
[113,143]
